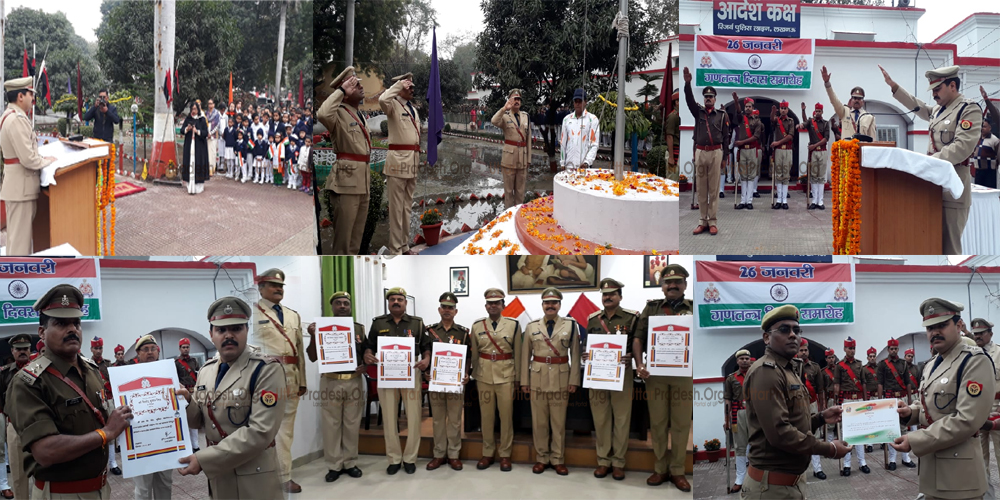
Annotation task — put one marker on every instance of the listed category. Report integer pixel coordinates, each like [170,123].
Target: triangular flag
[166,88]
[515,310]
[582,309]
[24,70]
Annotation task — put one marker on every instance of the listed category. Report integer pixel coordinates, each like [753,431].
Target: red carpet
[127,188]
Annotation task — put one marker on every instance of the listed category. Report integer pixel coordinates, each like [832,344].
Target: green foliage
[374,34]
[447,127]
[378,209]
[454,86]
[648,90]
[384,127]
[87,130]
[635,122]
[61,126]
[656,161]
[662,17]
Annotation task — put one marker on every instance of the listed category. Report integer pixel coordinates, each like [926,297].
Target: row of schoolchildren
[266,154]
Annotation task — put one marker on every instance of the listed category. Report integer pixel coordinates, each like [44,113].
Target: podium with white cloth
[67,206]
[901,200]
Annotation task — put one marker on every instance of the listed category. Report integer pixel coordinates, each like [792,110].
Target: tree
[662,17]
[454,85]
[376,27]
[648,90]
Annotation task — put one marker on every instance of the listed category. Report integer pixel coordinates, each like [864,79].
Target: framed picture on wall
[411,303]
[652,267]
[459,279]
[534,273]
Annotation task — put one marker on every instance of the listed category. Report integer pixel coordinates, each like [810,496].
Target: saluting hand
[888,79]
[983,92]
[687,75]
[826,75]
[509,105]
[193,467]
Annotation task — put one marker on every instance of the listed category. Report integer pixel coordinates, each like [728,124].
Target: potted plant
[712,449]
[430,223]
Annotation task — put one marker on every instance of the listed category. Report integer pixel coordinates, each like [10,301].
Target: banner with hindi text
[774,18]
[739,294]
[23,280]
[753,62]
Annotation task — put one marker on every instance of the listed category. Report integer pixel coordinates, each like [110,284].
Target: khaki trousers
[283,441]
[953,224]
[782,167]
[817,167]
[20,216]
[742,434]
[548,425]
[43,494]
[707,165]
[749,163]
[343,405]
[17,478]
[756,490]
[389,399]
[447,411]
[514,180]
[612,412]
[671,411]
[350,212]
[213,153]
[400,207]
[492,396]
[155,486]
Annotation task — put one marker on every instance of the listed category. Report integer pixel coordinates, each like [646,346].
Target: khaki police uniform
[951,408]
[22,167]
[281,337]
[672,128]
[783,155]
[446,407]
[852,123]
[350,180]
[494,357]
[732,391]
[954,131]
[748,155]
[819,129]
[516,157]
[612,410]
[549,371]
[15,456]
[993,350]
[389,399]
[343,409]
[711,134]
[401,163]
[241,411]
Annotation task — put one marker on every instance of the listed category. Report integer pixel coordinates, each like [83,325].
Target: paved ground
[760,231]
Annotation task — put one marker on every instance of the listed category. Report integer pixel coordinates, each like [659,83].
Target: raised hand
[687,75]
[826,75]
[888,79]
[983,92]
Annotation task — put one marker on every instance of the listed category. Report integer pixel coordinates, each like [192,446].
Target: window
[887,133]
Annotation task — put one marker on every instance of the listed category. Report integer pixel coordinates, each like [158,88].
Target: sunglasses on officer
[786,329]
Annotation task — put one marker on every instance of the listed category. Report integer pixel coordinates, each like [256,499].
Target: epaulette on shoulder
[356,324]
[211,361]
[431,327]
[380,317]
[769,364]
[263,357]
[650,301]
[506,318]
[539,321]
[594,314]
[480,320]
[418,318]
[31,371]
[90,361]
[633,313]
[464,329]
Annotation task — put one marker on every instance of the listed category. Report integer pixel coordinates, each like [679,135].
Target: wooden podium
[67,211]
[900,213]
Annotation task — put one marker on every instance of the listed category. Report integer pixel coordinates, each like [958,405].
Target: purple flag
[435,115]
[69,89]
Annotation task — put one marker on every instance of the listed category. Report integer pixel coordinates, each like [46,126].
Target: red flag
[302,103]
[230,86]
[79,91]
[167,94]
[582,309]
[177,84]
[46,91]
[666,103]
[24,72]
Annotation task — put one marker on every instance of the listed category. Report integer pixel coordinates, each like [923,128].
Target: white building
[888,289]
[851,41]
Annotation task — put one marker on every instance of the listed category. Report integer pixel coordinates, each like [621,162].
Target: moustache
[937,337]
[70,337]
[230,342]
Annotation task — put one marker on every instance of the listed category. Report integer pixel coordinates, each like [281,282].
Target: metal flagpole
[619,151]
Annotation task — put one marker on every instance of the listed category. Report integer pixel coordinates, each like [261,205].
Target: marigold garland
[105,194]
[845,173]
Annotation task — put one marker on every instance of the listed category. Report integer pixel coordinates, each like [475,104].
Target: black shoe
[820,475]
[354,472]
[392,469]
[196,450]
[116,471]
[756,194]
[821,207]
[891,466]
[784,206]
[332,476]
[749,206]
[722,195]
[775,206]
[909,464]
[741,206]
[812,206]
[846,471]
[409,468]
[869,448]
[865,469]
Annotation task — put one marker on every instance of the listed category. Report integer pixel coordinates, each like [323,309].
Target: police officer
[59,417]
[239,401]
[871,383]
[749,136]
[784,130]
[612,410]
[187,373]
[853,117]
[279,333]
[849,379]
[711,133]
[892,383]
[670,399]
[119,356]
[494,357]
[983,331]
[22,165]
[400,324]
[819,133]
[736,415]
[954,403]
[955,126]
[446,407]
[20,348]
[343,404]
[672,133]
[404,155]
[550,372]
[777,466]
[516,150]
[350,181]
[813,378]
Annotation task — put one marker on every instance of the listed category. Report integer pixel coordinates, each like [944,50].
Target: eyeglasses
[149,349]
[786,329]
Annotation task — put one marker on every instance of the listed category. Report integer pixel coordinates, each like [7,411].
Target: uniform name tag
[353,124]
[795,387]
[75,401]
[263,322]
[200,388]
[406,114]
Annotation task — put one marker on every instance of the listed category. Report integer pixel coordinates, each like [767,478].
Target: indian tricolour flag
[23,280]
[515,310]
[753,62]
[739,294]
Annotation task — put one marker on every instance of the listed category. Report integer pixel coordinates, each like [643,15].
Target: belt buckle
[547,358]
[493,357]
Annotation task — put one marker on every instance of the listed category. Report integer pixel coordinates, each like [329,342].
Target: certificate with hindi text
[870,422]
[336,345]
[396,360]
[604,368]
[668,346]
[158,434]
[448,367]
